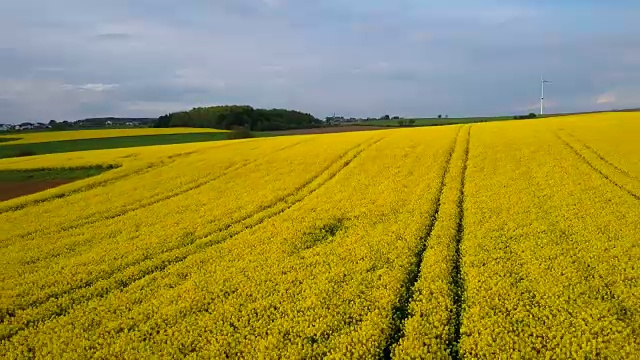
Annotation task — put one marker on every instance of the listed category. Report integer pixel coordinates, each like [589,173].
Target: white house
[24,126]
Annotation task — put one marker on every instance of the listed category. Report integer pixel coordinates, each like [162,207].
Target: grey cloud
[357,59]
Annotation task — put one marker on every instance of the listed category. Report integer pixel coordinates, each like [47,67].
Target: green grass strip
[15,176]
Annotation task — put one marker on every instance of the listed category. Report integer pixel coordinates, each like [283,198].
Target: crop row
[318,278]
[97,198]
[549,254]
[610,136]
[93,264]
[501,240]
[614,174]
[433,323]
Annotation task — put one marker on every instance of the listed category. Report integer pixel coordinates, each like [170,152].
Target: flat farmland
[515,239]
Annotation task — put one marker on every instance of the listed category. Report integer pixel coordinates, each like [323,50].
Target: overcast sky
[70,59]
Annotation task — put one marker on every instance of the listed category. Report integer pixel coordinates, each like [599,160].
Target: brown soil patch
[329,130]
[10,190]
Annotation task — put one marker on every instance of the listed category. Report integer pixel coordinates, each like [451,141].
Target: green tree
[229,117]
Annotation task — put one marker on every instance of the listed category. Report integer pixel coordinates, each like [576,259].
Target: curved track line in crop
[64,301]
[401,309]
[148,168]
[95,218]
[599,156]
[596,169]
[221,228]
[135,172]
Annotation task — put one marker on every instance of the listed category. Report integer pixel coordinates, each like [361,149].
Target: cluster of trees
[409,122]
[530,116]
[234,116]
[387,117]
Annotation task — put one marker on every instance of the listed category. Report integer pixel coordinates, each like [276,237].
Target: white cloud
[606,98]
[42,99]
[626,97]
[90,87]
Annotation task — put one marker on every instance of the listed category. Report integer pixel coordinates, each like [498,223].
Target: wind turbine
[543,81]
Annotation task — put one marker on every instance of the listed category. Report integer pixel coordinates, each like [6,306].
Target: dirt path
[10,190]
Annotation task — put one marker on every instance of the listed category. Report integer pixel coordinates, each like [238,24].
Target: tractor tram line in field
[98,217]
[60,303]
[602,158]
[457,279]
[169,252]
[399,244]
[602,173]
[96,184]
[126,173]
[401,310]
[298,194]
[434,321]
[218,229]
[440,248]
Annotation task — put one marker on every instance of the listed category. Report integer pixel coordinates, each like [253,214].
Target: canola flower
[308,279]
[118,247]
[610,136]
[429,331]
[497,240]
[550,250]
[135,170]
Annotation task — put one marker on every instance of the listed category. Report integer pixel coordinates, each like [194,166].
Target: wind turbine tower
[543,81]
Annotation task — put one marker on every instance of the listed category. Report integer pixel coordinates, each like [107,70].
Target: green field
[7,139]
[76,173]
[53,147]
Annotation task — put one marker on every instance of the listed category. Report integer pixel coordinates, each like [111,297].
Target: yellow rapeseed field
[47,136]
[495,240]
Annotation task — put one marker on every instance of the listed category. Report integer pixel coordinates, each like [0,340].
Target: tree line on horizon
[229,117]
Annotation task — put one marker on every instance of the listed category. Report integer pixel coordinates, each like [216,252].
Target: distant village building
[343,120]
[25,126]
